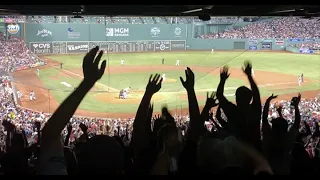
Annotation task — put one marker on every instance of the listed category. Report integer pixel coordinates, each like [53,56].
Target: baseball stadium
[149,45]
[159,95]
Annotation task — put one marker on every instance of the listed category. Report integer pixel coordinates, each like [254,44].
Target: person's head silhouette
[243,96]
[279,126]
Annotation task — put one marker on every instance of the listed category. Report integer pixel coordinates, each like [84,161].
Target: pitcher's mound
[133,98]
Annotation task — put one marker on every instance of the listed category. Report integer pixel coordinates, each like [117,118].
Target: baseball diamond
[141,48]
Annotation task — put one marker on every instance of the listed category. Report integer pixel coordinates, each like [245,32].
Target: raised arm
[224,75]
[265,124]
[69,129]
[194,110]
[210,103]
[295,102]
[256,101]
[140,138]
[51,152]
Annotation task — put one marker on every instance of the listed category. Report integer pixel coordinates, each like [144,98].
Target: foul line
[97,83]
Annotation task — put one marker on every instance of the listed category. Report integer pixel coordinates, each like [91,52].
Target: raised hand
[212,101]
[296,100]
[189,82]
[224,74]
[154,84]
[247,69]
[90,68]
[272,97]
[157,117]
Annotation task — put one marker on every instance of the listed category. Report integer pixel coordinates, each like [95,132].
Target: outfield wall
[57,38]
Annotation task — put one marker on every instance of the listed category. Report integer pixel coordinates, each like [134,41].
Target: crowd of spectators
[188,144]
[15,55]
[284,27]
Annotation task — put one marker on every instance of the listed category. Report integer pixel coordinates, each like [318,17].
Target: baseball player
[163,77]
[162,60]
[19,95]
[32,96]
[299,80]
[38,71]
[122,62]
[302,77]
[178,62]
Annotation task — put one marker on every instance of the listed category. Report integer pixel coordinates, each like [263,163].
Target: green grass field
[291,64]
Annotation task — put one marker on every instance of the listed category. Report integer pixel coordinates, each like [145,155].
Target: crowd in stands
[308,45]
[285,27]
[15,55]
[231,139]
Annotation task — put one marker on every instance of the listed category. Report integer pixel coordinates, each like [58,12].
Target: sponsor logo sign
[177,32]
[13,28]
[44,33]
[41,48]
[77,47]
[279,42]
[73,34]
[178,45]
[252,47]
[155,32]
[117,32]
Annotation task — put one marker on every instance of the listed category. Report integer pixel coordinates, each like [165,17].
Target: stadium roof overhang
[162,10]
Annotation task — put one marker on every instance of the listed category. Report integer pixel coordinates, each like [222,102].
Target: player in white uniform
[32,96]
[178,62]
[19,94]
[38,71]
[163,77]
[121,61]
[299,80]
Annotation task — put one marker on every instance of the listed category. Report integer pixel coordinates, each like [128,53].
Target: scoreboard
[109,46]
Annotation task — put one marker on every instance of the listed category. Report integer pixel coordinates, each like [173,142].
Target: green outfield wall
[79,38]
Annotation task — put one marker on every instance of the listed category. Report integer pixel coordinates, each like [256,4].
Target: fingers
[98,58]
[182,81]
[150,78]
[92,53]
[156,78]
[102,68]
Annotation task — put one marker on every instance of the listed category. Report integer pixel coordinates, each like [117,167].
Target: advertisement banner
[295,39]
[279,42]
[178,45]
[77,47]
[252,47]
[309,40]
[162,45]
[306,51]
[41,47]
[9,20]
[266,46]
[253,42]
